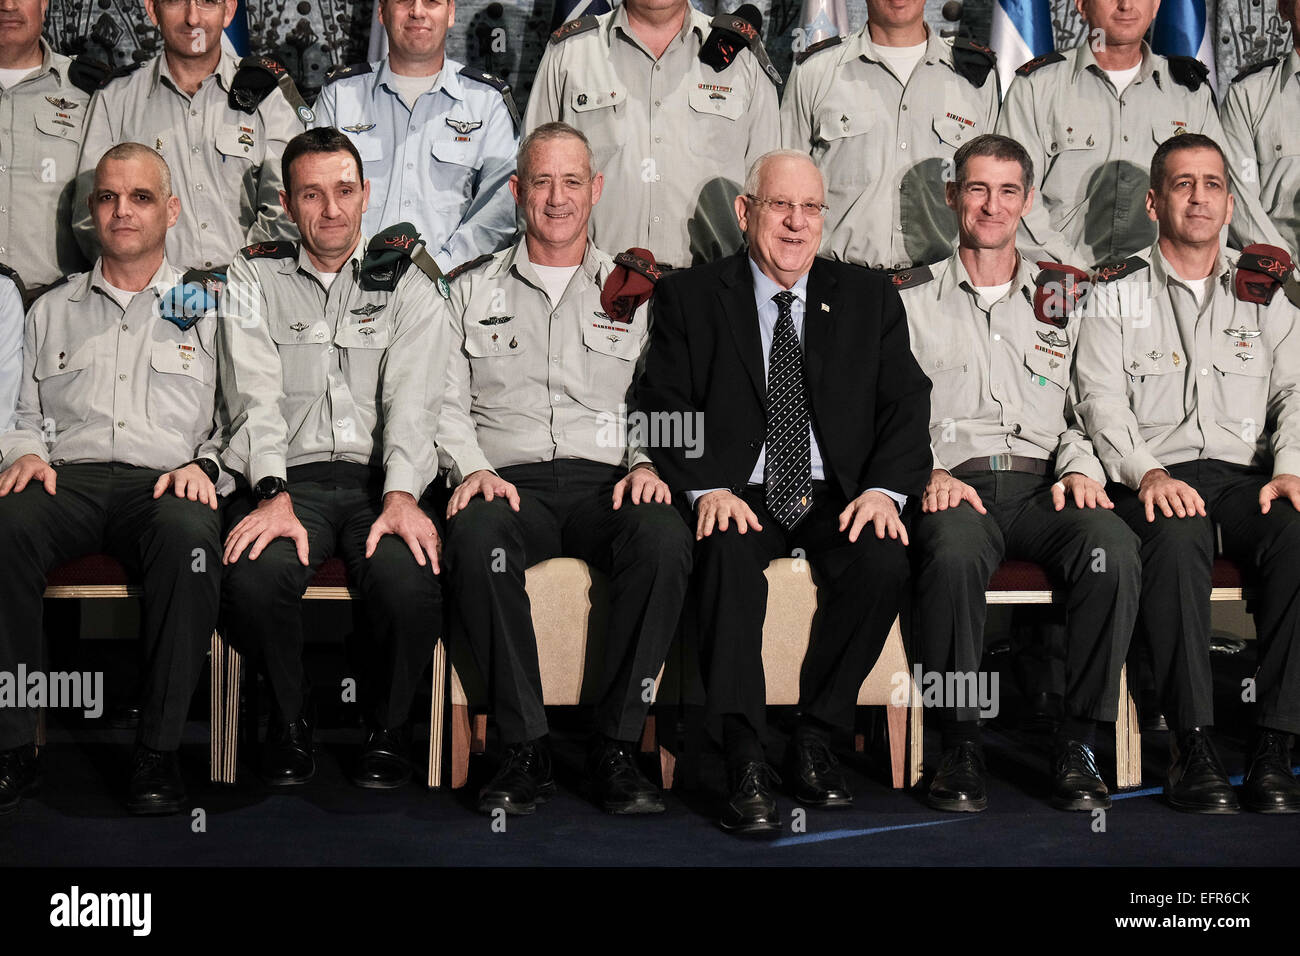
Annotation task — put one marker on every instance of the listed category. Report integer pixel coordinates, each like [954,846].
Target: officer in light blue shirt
[437,139]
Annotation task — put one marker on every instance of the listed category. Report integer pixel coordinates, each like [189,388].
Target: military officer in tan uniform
[1262,135]
[220,122]
[43,100]
[333,352]
[1013,475]
[1187,372]
[672,135]
[882,112]
[115,450]
[536,431]
[1090,118]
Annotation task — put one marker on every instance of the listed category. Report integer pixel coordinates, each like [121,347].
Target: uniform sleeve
[1038,240]
[251,378]
[281,123]
[489,222]
[764,117]
[1250,220]
[458,446]
[796,112]
[1103,405]
[1074,452]
[26,437]
[325,108]
[1284,396]
[11,350]
[101,133]
[413,369]
[637,454]
[545,102]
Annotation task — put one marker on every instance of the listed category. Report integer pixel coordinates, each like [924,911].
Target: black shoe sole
[1201,808]
[372,784]
[155,808]
[280,782]
[487,805]
[964,805]
[638,807]
[1081,803]
[762,828]
[1269,808]
[825,803]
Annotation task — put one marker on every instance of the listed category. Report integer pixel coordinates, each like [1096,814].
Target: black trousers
[860,592]
[565,509]
[261,603]
[1089,551]
[1177,559]
[173,546]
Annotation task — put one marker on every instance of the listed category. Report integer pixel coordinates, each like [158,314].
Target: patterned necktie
[789,458]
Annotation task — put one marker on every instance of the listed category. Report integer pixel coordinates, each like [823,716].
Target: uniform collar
[1163,273]
[936,50]
[516,259]
[165,278]
[1290,66]
[1147,67]
[694,20]
[448,79]
[225,72]
[955,276]
[302,262]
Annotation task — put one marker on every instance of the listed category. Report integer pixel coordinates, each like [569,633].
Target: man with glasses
[220,122]
[814,418]
[535,427]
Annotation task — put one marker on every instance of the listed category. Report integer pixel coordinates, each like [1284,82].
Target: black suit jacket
[870,401]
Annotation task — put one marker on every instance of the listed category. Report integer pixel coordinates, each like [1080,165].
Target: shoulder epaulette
[1256,67]
[254,80]
[270,250]
[909,278]
[1038,62]
[739,25]
[818,47]
[498,84]
[572,28]
[343,72]
[1110,271]
[12,276]
[389,254]
[974,61]
[88,74]
[466,266]
[35,292]
[1188,71]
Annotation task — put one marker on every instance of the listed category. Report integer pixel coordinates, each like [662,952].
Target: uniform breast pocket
[844,142]
[1047,370]
[302,348]
[181,383]
[452,168]
[954,393]
[496,357]
[1072,151]
[364,335]
[953,132]
[1241,381]
[55,146]
[238,142]
[1155,385]
[1278,136]
[598,112]
[370,146]
[713,121]
[64,382]
[610,358]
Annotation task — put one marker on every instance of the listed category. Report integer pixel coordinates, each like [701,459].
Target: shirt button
[658,67]
[410,165]
[3,167]
[406,202]
[656,218]
[203,225]
[199,187]
[412,127]
[555,398]
[904,107]
[996,337]
[1205,371]
[194,112]
[658,139]
[207,265]
[121,424]
[124,326]
[658,105]
[1126,139]
[194,149]
[902,146]
[120,378]
[339,423]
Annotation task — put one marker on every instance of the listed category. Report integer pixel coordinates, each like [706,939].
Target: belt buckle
[1001,462]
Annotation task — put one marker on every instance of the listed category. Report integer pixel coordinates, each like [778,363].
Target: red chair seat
[100,569]
[1027,576]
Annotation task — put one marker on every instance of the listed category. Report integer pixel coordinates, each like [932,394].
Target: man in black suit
[815,436]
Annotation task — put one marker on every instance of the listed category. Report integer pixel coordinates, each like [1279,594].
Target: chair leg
[223,710]
[1128,738]
[437,712]
[478,739]
[896,731]
[40,728]
[648,736]
[216,709]
[460,745]
[915,740]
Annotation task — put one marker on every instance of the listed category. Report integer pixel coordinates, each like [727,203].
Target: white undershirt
[555,278]
[1122,78]
[411,88]
[988,294]
[326,278]
[121,296]
[902,59]
[1197,288]
[10,78]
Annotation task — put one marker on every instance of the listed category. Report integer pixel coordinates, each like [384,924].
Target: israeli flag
[235,38]
[1184,28]
[1021,30]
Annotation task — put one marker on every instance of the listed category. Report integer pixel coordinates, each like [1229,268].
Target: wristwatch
[269,487]
[208,467]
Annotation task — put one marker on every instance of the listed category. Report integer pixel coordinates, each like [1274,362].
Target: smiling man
[1187,373]
[438,138]
[1013,476]
[814,416]
[221,123]
[115,450]
[550,336]
[333,357]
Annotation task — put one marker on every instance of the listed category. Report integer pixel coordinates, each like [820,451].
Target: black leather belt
[1028,466]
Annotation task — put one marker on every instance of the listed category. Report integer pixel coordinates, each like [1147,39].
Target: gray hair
[543,134]
[127,151]
[756,171]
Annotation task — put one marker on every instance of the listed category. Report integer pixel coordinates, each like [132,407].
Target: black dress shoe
[286,755]
[1270,786]
[125,715]
[385,761]
[751,808]
[960,785]
[1197,782]
[815,775]
[156,786]
[1076,784]
[20,775]
[616,782]
[522,781]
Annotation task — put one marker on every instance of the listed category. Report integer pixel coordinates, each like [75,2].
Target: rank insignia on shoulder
[270,250]
[1256,67]
[498,84]
[1038,62]
[1058,291]
[466,266]
[1111,271]
[818,47]
[352,69]
[907,278]
[574,27]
